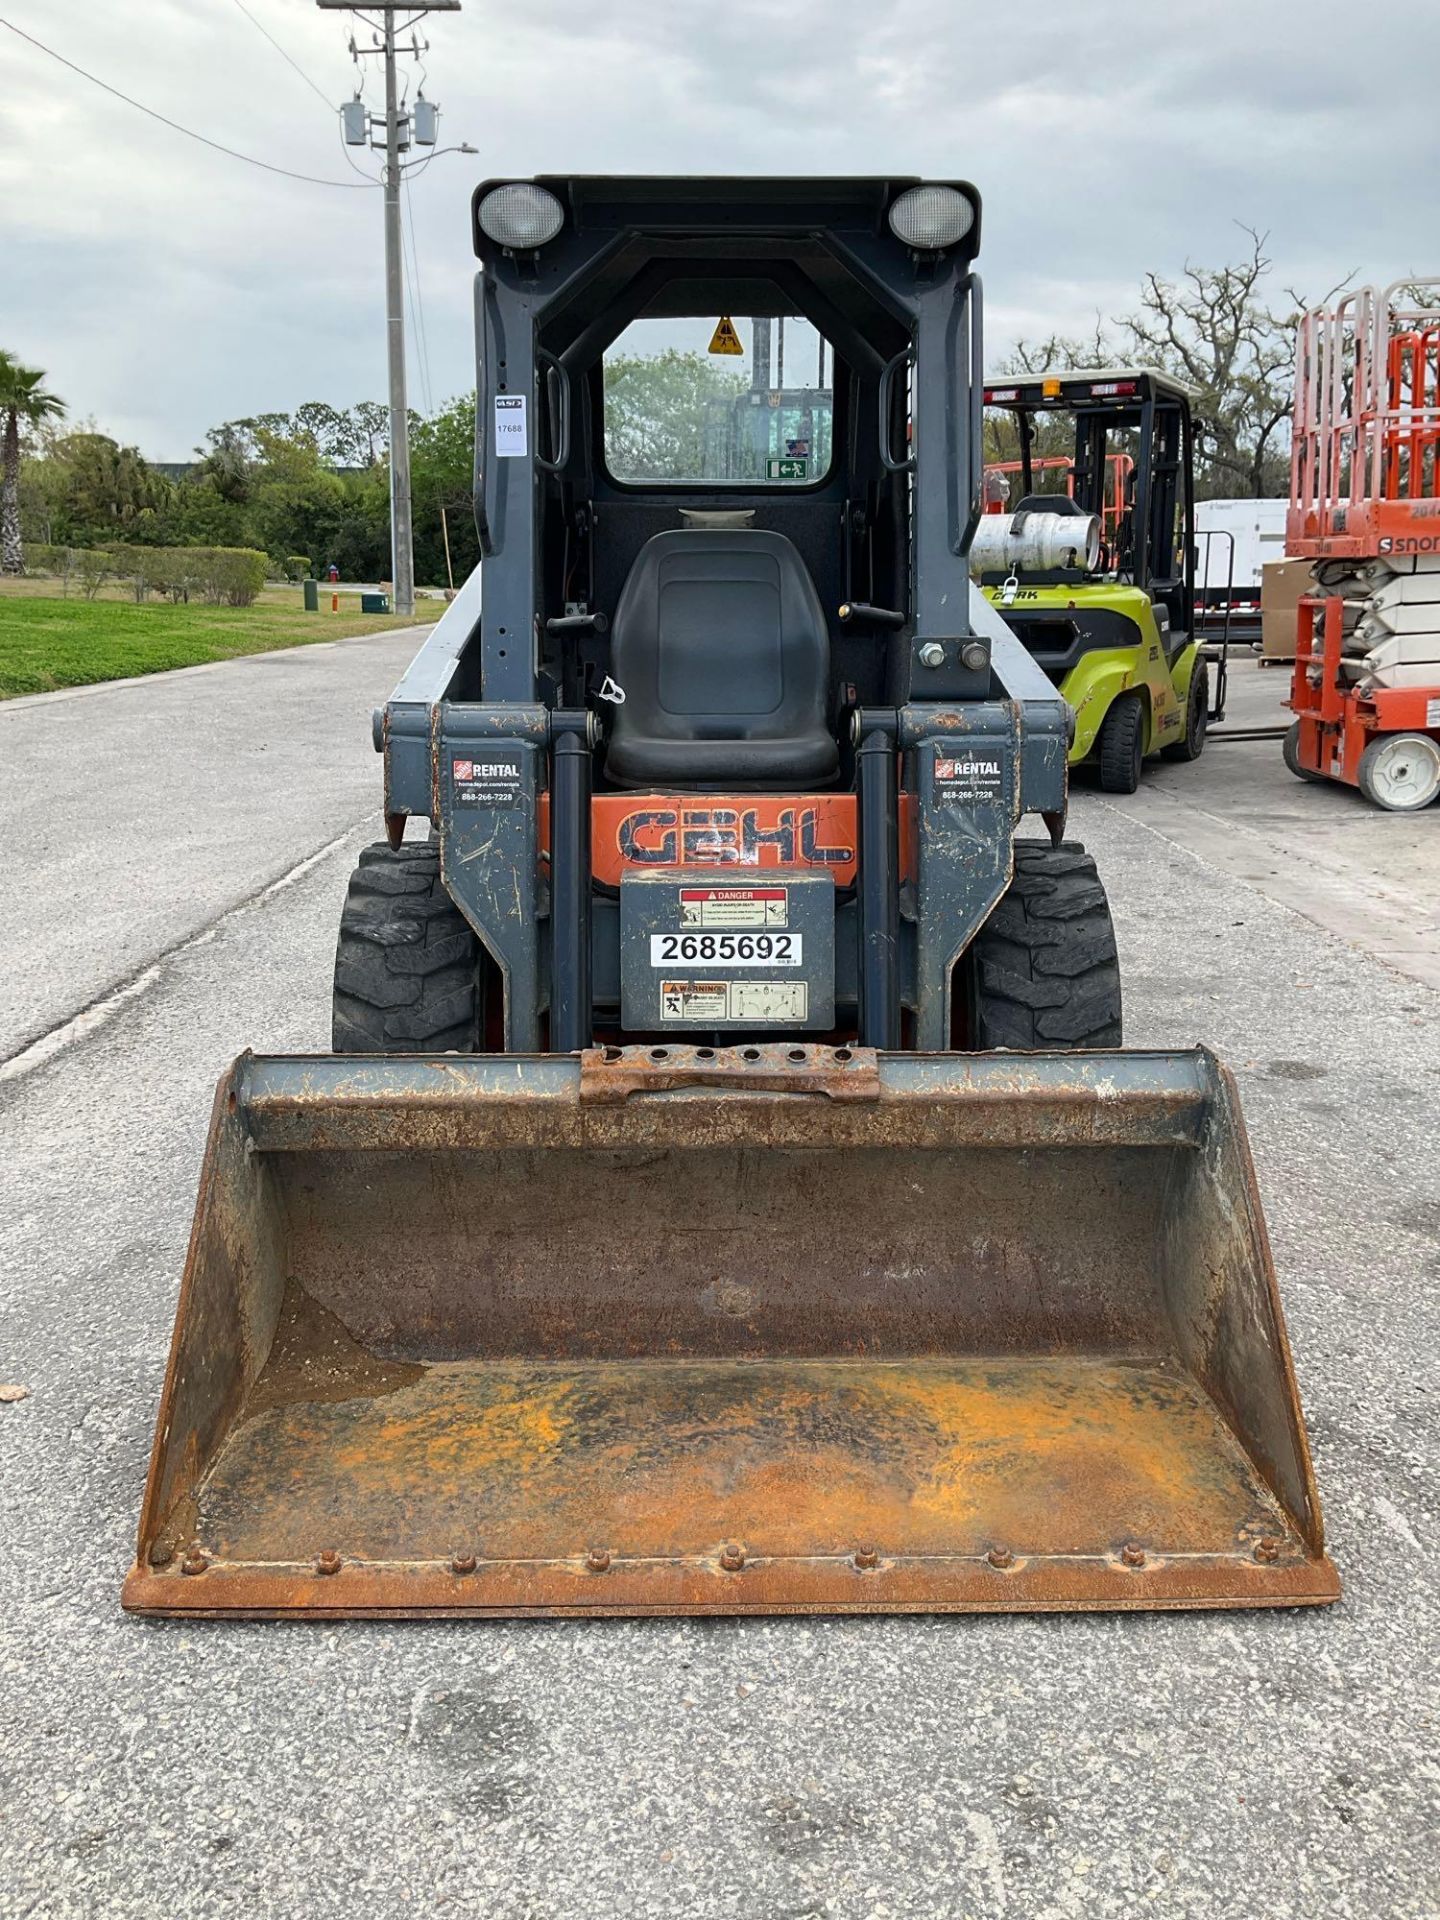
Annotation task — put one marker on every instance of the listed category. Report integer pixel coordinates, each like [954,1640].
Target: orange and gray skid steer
[728,1192]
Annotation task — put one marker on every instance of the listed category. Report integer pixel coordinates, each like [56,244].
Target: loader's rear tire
[1122,744]
[1043,972]
[408,969]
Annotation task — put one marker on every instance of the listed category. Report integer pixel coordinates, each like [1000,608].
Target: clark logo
[726,836]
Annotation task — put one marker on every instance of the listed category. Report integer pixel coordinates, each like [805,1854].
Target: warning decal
[733,906]
[963,781]
[725,339]
[701,1002]
[694,999]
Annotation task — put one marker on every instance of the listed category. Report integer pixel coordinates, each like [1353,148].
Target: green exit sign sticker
[791,469]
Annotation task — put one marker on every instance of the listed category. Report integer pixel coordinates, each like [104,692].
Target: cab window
[716,400]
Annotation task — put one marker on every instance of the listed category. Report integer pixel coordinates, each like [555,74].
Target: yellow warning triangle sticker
[725,339]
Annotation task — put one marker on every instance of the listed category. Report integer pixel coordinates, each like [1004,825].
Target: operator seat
[721,647]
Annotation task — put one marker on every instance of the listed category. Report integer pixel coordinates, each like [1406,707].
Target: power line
[231,153]
[419,296]
[286,58]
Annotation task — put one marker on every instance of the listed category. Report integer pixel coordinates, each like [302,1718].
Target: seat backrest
[719,636]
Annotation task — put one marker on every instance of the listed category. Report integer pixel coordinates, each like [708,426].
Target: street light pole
[402,548]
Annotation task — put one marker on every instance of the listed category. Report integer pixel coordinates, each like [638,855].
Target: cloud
[165,287]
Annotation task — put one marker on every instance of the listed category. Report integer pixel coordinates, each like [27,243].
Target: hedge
[225,576]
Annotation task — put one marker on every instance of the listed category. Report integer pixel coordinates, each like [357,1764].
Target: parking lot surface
[1273,1764]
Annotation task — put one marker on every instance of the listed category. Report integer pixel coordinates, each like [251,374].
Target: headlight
[932,218]
[521,216]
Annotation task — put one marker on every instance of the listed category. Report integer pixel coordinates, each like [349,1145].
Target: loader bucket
[780,1329]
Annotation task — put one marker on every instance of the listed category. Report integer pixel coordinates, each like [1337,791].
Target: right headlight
[932,218]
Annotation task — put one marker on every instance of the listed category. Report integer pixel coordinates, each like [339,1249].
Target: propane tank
[1035,542]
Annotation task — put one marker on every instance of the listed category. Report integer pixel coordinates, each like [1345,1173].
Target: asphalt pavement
[183,886]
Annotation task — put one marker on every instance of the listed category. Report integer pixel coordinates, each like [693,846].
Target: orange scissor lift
[1365,509]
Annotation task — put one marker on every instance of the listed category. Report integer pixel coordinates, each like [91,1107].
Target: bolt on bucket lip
[611,1423]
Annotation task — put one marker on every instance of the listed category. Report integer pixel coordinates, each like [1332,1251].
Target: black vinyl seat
[721,647]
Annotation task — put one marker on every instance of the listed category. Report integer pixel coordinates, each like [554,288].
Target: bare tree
[1214,329]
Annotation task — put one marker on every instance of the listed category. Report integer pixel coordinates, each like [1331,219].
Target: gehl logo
[726,836]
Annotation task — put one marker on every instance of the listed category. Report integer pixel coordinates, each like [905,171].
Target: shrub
[297,566]
[93,567]
[232,576]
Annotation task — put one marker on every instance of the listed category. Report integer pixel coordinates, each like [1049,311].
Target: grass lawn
[48,641]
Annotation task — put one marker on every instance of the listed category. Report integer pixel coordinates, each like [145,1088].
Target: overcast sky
[166,288]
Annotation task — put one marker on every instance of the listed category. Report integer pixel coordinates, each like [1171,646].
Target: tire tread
[407,964]
[1045,973]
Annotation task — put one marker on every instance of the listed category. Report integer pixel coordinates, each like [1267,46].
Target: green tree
[226,464]
[293,494]
[658,408]
[108,492]
[25,402]
[442,475]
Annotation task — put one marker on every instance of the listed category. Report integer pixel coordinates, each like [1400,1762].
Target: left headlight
[932,218]
[521,216]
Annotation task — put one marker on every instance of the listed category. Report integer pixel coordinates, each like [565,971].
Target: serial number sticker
[734,906]
[700,1002]
[726,949]
[511,439]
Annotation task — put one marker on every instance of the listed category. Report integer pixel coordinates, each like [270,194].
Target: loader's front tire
[1043,973]
[408,968]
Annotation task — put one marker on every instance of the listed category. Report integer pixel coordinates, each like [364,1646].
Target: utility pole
[360,129]
[402,544]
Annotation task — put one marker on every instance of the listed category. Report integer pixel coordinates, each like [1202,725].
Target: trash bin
[374,603]
[312,596]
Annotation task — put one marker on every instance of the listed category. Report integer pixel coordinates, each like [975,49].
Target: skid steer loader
[727,1193]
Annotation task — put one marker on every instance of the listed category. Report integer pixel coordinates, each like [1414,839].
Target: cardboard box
[1282,582]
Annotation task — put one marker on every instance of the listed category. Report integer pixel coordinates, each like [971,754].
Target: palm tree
[23,399]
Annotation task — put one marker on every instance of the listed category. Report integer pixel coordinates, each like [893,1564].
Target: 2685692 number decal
[726,949]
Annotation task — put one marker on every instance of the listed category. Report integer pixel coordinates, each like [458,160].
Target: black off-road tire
[1197,717]
[1043,973]
[408,975]
[1122,744]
